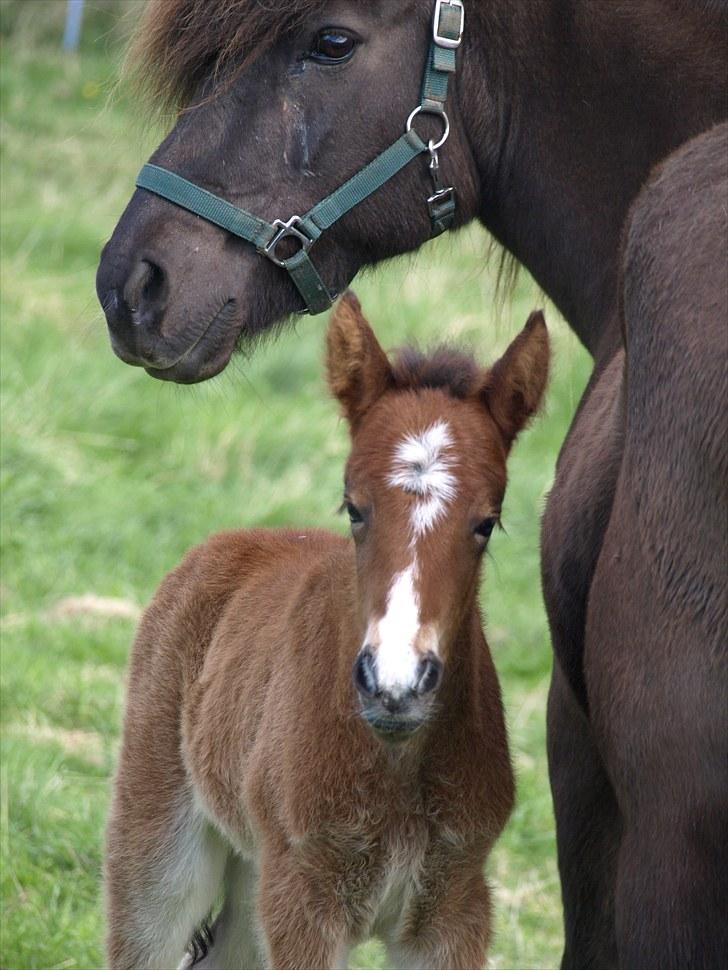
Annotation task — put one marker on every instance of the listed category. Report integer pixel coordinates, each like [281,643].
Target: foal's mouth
[208,353]
[392,728]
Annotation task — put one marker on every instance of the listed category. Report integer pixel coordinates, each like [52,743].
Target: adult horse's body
[634,555]
[559,111]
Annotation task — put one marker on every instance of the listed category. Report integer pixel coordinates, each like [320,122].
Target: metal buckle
[436,35]
[286,229]
[441,197]
[441,207]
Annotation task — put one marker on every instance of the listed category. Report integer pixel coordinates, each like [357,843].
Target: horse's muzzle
[396,716]
[134,305]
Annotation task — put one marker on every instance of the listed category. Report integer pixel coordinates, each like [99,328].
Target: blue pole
[72,32]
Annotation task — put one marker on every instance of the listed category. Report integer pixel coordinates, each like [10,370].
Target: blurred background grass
[108,477]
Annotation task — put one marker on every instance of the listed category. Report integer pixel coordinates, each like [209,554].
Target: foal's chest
[397,871]
[401,875]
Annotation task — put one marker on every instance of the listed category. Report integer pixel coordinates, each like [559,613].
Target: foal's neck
[568,106]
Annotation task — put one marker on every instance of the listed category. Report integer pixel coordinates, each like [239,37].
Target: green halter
[447,34]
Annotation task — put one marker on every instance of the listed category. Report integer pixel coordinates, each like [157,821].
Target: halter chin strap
[447,32]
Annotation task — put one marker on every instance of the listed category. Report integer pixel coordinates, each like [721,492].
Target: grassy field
[108,477]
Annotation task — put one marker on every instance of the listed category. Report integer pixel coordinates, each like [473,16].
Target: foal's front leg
[448,923]
[302,920]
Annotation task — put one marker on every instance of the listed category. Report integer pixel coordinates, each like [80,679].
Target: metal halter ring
[432,145]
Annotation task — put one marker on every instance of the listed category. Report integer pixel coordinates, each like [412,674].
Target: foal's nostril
[146,287]
[365,679]
[430,673]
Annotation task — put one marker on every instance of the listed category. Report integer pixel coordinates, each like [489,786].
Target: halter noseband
[447,32]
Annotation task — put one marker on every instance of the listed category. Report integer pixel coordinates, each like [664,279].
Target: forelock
[445,368]
[181,43]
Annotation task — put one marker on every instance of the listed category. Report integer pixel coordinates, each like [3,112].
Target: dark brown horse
[559,111]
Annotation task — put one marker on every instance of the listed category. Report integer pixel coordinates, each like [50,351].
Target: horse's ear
[514,386]
[358,369]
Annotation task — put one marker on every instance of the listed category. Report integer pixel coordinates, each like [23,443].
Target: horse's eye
[332,46]
[355,516]
[483,529]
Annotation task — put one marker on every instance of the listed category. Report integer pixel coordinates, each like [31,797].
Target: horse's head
[424,484]
[283,103]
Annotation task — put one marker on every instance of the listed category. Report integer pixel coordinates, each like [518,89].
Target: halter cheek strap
[303,230]
[447,31]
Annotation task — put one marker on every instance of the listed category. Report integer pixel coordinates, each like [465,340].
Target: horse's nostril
[430,674]
[146,287]
[134,305]
[112,302]
[115,309]
[365,679]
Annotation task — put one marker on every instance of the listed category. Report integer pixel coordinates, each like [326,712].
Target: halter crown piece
[447,32]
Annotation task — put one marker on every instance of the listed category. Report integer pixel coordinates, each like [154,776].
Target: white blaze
[396,657]
[423,468]
[395,636]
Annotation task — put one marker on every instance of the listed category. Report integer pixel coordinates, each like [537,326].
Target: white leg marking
[234,932]
[187,876]
[341,960]
[401,958]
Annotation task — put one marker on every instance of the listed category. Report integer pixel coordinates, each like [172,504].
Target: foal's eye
[483,529]
[355,516]
[332,46]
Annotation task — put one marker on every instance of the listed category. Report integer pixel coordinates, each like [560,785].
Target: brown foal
[314,729]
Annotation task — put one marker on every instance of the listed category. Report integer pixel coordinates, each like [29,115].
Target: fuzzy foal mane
[445,367]
[180,43]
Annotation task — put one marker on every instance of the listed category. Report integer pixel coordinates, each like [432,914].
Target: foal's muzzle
[395,716]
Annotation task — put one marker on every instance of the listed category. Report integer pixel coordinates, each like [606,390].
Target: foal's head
[423,488]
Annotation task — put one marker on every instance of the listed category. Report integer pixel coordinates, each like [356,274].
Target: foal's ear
[358,369]
[514,386]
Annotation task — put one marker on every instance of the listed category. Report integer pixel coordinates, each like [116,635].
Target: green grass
[108,477]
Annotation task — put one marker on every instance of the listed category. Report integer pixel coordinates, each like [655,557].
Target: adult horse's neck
[568,104]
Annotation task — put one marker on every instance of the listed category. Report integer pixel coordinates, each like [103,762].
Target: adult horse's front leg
[658,707]
[587,832]
[587,821]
